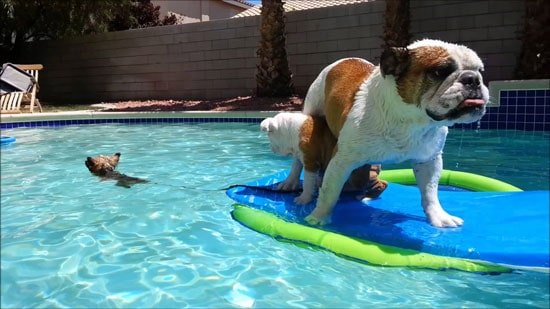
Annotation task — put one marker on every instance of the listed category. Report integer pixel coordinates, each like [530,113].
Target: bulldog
[104,167]
[311,144]
[397,111]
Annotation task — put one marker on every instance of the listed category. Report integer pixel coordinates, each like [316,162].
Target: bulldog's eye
[441,72]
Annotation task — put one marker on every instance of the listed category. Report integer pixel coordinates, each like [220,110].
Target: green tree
[24,21]
[273,78]
[397,19]
[534,58]
[140,14]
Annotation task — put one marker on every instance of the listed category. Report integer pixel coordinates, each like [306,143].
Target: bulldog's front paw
[312,219]
[440,218]
[288,185]
[303,199]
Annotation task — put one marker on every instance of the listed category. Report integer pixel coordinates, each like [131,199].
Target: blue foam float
[502,230]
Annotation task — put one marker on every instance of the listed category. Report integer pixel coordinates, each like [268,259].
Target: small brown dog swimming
[104,167]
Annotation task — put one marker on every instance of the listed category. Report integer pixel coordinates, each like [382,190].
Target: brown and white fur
[311,144]
[395,112]
[104,167]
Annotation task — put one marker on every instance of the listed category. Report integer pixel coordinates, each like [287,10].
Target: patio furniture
[11,102]
[19,87]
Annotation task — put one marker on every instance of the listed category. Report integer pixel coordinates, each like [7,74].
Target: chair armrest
[37,67]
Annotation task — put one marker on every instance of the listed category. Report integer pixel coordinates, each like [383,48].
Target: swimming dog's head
[101,165]
[441,78]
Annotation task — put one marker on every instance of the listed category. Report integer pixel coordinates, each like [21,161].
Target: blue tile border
[69,122]
[492,120]
[526,110]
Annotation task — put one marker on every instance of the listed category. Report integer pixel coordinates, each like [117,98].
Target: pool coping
[97,115]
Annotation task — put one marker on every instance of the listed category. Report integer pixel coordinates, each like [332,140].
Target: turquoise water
[70,240]
[518,157]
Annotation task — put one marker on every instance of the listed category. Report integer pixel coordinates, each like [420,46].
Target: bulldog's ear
[395,61]
[268,125]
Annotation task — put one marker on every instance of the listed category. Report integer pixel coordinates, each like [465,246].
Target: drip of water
[460,147]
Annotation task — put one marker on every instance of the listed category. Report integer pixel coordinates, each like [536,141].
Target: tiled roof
[297,5]
[245,2]
[239,2]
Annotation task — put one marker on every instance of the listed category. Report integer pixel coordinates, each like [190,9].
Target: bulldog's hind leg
[365,179]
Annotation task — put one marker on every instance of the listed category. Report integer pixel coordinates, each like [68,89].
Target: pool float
[5,140]
[505,228]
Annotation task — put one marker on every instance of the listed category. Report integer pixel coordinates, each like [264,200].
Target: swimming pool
[71,240]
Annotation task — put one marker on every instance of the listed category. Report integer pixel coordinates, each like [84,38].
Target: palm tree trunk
[397,23]
[534,58]
[273,78]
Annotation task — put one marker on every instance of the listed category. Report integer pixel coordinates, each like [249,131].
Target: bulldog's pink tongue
[474,102]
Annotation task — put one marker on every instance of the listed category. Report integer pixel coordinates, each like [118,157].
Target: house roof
[298,5]
[240,3]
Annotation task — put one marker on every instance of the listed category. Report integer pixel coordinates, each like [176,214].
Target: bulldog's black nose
[469,78]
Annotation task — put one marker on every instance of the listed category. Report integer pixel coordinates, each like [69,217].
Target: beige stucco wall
[218,58]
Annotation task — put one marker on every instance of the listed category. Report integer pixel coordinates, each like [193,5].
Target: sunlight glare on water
[70,240]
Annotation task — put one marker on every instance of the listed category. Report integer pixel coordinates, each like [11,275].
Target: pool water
[520,158]
[70,240]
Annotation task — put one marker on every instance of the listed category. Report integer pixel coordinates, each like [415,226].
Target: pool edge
[93,115]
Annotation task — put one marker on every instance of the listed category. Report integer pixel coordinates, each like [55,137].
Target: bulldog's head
[101,165]
[283,131]
[441,78]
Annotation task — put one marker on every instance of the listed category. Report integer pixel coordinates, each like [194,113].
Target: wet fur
[311,144]
[104,167]
[397,111]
